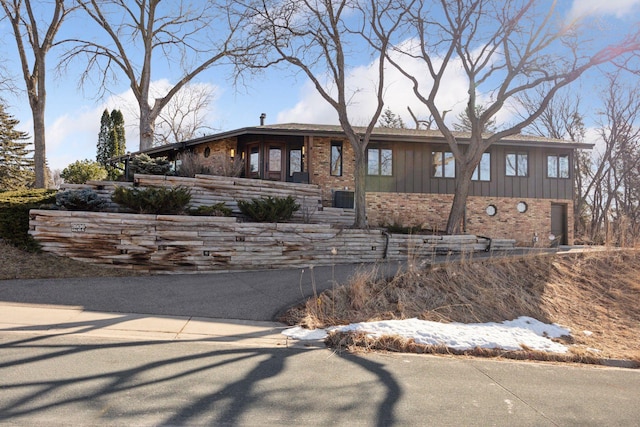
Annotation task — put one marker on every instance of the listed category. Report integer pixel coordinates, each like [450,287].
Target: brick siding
[432,210]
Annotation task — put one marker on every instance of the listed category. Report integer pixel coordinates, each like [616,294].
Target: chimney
[262,117]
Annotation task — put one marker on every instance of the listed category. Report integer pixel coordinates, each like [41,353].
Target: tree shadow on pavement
[74,379]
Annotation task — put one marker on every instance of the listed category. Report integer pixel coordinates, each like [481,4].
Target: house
[522,189]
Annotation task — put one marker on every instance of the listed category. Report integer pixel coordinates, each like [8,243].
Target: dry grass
[597,292]
[17,264]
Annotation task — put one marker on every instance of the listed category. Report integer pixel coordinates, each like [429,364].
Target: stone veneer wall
[175,243]
[431,211]
[319,167]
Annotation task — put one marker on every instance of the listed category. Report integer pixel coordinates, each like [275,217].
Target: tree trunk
[39,143]
[455,224]
[360,191]
[147,128]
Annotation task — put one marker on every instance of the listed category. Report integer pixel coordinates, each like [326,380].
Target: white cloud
[398,95]
[73,136]
[597,8]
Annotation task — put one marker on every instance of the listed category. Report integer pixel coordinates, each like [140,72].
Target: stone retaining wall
[179,244]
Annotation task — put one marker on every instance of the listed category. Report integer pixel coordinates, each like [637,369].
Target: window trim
[477,171]
[517,155]
[340,146]
[558,168]
[442,165]
[291,151]
[380,162]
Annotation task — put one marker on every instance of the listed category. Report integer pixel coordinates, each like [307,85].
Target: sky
[73,114]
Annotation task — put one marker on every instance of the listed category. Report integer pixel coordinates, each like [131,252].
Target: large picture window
[380,161]
[443,164]
[482,172]
[517,164]
[336,158]
[558,166]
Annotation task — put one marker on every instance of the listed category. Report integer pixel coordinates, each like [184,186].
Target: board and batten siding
[412,165]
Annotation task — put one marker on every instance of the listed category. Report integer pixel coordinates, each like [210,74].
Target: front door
[275,162]
[559,226]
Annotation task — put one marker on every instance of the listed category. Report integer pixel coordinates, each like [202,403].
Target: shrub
[14,215]
[191,165]
[219,209]
[223,165]
[81,171]
[80,200]
[269,209]
[143,164]
[153,200]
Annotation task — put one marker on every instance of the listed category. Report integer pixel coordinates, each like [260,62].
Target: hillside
[594,294]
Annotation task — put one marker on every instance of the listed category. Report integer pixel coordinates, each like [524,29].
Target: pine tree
[17,167]
[391,120]
[117,123]
[102,155]
[111,142]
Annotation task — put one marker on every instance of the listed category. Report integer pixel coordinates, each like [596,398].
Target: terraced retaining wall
[174,243]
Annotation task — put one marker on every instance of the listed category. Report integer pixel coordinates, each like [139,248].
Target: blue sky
[73,115]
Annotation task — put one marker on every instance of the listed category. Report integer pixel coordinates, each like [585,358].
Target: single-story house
[523,188]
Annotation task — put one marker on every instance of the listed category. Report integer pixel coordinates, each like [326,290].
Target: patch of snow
[303,334]
[508,335]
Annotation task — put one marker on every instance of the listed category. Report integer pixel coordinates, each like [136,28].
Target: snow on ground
[508,335]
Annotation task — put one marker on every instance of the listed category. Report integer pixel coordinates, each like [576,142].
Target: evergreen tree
[16,164]
[464,124]
[111,142]
[391,120]
[102,155]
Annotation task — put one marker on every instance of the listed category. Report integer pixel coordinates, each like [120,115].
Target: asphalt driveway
[250,295]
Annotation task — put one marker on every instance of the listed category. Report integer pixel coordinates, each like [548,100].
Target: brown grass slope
[18,264]
[595,294]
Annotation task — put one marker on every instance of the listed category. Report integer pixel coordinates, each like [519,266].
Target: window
[380,161]
[275,159]
[558,166]
[295,161]
[517,164]
[444,164]
[254,162]
[482,172]
[336,158]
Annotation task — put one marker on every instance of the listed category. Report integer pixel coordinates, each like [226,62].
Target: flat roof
[379,134]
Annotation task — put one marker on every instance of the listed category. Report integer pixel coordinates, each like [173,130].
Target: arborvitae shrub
[81,200]
[14,215]
[219,209]
[153,200]
[269,209]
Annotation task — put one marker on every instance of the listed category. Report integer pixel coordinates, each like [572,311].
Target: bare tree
[506,48]
[562,119]
[613,187]
[193,36]
[317,37]
[35,35]
[185,115]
